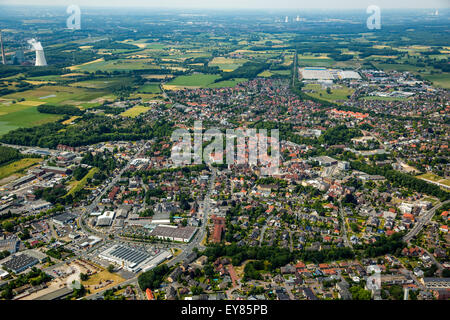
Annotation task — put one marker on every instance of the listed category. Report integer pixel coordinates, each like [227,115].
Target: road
[422,221]
[201,233]
[344,227]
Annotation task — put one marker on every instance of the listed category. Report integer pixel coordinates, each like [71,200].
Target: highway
[422,221]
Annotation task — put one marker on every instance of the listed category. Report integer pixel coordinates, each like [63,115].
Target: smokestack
[40,56]
[3,50]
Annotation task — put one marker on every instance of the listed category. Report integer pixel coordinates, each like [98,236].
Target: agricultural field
[315,61]
[116,65]
[194,80]
[149,88]
[135,111]
[441,80]
[227,64]
[16,116]
[58,95]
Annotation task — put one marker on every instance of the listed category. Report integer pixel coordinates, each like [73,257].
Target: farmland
[135,111]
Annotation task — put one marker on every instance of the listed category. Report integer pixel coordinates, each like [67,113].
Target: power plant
[40,56]
[3,49]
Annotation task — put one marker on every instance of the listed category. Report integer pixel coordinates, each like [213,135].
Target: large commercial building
[173,233]
[63,219]
[106,219]
[317,73]
[19,263]
[132,259]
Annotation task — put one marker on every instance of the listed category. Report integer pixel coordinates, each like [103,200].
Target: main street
[344,226]
[422,221]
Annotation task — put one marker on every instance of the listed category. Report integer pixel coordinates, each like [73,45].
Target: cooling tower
[40,56]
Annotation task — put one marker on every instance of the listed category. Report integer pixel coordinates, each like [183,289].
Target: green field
[19,116]
[384,98]
[340,93]
[17,166]
[435,178]
[119,64]
[441,80]
[226,83]
[80,184]
[100,83]
[194,80]
[149,88]
[135,111]
[58,95]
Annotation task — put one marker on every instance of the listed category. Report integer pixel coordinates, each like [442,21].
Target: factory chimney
[3,49]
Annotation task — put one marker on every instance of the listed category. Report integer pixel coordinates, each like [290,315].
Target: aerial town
[92,205]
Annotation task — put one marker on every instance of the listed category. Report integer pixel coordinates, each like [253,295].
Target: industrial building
[132,259]
[63,219]
[106,219]
[173,233]
[19,263]
[318,73]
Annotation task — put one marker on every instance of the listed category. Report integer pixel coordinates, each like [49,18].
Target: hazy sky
[243,4]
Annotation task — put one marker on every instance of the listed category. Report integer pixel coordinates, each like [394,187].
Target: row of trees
[8,154]
[402,179]
[69,110]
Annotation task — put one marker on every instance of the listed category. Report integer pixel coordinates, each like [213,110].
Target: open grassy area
[118,64]
[226,83]
[227,64]
[441,80]
[58,95]
[100,278]
[22,116]
[17,167]
[150,88]
[194,80]
[340,93]
[435,178]
[384,98]
[135,111]
[80,184]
